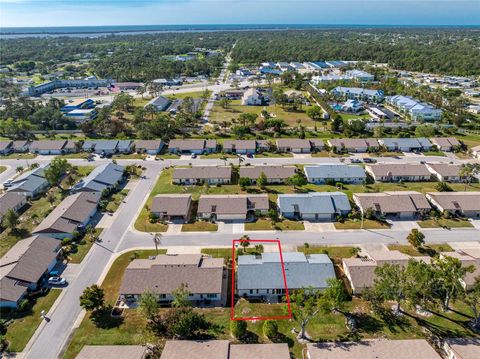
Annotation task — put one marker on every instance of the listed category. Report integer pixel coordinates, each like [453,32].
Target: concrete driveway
[318,226]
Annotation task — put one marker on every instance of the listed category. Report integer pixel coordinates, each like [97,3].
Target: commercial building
[76,83]
[203,277]
[316,206]
[326,173]
[78,104]
[232,207]
[262,277]
[82,115]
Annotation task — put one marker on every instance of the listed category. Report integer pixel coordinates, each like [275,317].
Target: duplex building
[103,178]
[393,204]
[418,111]
[396,172]
[262,276]
[101,147]
[25,267]
[445,172]
[274,174]
[357,93]
[125,146]
[202,174]
[446,143]
[468,257]
[232,207]
[299,145]
[71,216]
[160,103]
[151,147]
[325,173]
[313,205]
[11,201]
[6,147]
[203,277]
[465,204]
[113,352]
[373,349]
[406,144]
[32,183]
[340,145]
[245,146]
[192,146]
[54,147]
[20,146]
[172,207]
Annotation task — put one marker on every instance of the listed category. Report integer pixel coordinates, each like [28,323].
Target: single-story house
[204,277]
[445,172]
[240,146]
[324,173]
[252,97]
[299,145]
[222,349]
[275,174]
[105,147]
[11,201]
[151,147]
[25,267]
[125,146]
[6,147]
[462,348]
[32,183]
[103,177]
[262,276]
[373,349]
[353,144]
[232,207]
[313,205]
[192,146]
[406,144]
[160,103]
[396,172]
[112,352]
[394,204]
[172,206]
[20,146]
[72,215]
[202,174]
[55,147]
[361,271]
[445,143]
[458,203]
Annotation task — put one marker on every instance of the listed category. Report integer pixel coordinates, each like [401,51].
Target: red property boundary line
[287,296]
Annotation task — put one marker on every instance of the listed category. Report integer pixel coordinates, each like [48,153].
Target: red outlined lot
[287,296]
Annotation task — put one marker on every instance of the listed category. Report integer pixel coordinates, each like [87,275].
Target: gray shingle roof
[101,177]
[272,172]
[190,349]
[327,171]
[112,352]
[314,202]
[203,172]
[265,271]
[9,200]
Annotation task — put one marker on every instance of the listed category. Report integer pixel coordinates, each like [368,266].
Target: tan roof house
[445,143]
[112,352]
[232,207]
[457,203]
[445,172]
[202,174]
[297,145]
[353,144]
[396,172]
[204,278]
[275,174]
[193,349]
[259,351]
[462,348]
[11,201]
[172,206]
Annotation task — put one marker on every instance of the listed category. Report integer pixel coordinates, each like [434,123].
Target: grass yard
[182,95]
[273,154]
[83,155]
[470,139]
[434,153]
[83,247]
[263,224]
[38,210]
[221,114]
[20,156]
[3,169]
[335,253]
[414,252]
[352,116]
[367,224]
[130,156]
[24,325]
[200,226]
[329,154]
[116,200]
[445,223]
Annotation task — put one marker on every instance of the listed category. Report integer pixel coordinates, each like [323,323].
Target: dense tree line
[450,51]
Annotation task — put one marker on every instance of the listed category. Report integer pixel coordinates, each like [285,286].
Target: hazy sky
[159,12]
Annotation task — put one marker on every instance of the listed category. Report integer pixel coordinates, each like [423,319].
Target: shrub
[270,329]
[23,305]
[238,328]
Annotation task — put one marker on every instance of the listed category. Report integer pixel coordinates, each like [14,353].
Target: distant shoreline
[93,31]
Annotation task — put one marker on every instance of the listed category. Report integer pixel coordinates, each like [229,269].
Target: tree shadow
[103,320]
[282,338]
[394,323]
[250,338]
[368,323]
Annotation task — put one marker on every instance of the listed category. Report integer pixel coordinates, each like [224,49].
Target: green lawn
[263,224]
[200,226]
[443,222]
[434,153]
[24,325]
[116,200]
[83,155]
[367,224]
[352,116]
[38,210]
[132,156]
[335,253]
[3,169]
[26,156]
[83,247]
[414,252]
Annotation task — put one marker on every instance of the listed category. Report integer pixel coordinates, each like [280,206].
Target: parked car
[355,160]
[8,183]
[369,160]
[57,281]
[193,155]
[249,155]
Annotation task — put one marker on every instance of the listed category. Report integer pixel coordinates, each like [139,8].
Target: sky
[32,13]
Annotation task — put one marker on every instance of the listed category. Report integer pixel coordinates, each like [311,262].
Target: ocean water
[94,31]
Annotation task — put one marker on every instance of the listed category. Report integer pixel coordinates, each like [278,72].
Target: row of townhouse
[60,147]
[358,93]
[415,172]
[418,111]
[361,271]
[451,348]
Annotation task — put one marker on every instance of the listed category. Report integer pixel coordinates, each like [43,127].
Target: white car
[8,183]
[57,281]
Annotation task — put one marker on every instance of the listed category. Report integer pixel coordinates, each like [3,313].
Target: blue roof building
[418,111]
[104,177]
[78,105]
[106,147]
[32,183]
[323,173]
[160,103]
